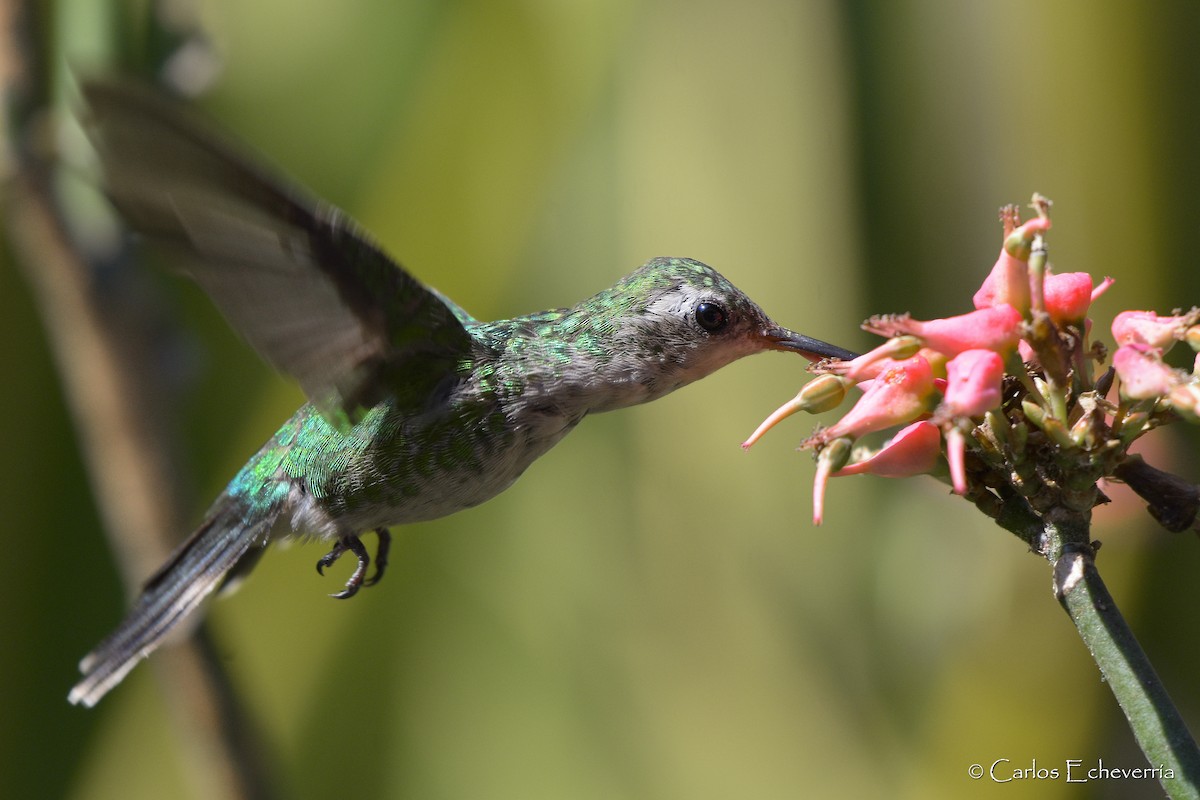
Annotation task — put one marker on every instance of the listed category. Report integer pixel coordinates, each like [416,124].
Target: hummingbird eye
[711,317]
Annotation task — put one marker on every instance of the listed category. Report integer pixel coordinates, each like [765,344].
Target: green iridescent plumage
[417,410]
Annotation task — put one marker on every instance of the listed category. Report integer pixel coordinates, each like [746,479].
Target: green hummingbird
[415,408]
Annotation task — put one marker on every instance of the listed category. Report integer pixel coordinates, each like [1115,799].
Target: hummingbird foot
[381,556]
[354,545]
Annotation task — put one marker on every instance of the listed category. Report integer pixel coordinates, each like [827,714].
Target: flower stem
[1156,723]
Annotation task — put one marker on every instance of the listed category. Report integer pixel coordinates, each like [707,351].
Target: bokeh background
[648,613]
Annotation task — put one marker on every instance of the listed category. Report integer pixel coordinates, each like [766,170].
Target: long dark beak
[810,348]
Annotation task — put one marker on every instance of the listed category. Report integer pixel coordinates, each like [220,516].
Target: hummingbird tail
[231,533]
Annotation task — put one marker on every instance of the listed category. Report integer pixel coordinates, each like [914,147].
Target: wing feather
[296,277]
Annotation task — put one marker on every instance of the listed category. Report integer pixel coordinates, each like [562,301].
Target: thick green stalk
[1062,538]
[1156,723]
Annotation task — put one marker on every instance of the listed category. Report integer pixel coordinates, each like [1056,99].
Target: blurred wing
[294,276]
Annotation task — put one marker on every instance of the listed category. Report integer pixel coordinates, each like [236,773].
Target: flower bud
[1019,243]
[833,455]
[820,394]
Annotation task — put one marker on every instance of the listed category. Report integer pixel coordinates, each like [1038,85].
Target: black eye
[711,317]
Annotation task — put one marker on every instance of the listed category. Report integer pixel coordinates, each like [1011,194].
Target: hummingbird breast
[395,467]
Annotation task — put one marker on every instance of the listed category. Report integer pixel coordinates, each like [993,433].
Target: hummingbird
[416,409]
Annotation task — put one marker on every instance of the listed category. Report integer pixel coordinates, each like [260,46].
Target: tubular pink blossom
[973,384]
[1143,374]
[914,450]
[1146,327]
[874,361]
[1008,282]
[1047,430]
[1069,296]
[865,372]
[900,394]
[996,328]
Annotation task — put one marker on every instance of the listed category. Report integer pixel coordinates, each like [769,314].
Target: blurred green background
[649,613]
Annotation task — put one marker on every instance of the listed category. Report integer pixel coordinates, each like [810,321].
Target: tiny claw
[381,555]
[330,557]
[354,545]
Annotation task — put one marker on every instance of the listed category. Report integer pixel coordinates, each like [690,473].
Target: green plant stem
[1156,723]
[1062,538]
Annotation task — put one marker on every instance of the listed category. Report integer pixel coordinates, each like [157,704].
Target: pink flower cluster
[977,383]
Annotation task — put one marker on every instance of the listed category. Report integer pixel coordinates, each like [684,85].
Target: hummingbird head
[675,320]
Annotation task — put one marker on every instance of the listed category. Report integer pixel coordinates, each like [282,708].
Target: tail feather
[174,592]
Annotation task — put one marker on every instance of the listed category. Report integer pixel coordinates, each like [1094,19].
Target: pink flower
[875,361]
[1146,327]
[1007,283]
[1069,296]
[996,328]
[914,450]
[867,371]
[1143,374]
[973,381]
[901,393]
[1046,426]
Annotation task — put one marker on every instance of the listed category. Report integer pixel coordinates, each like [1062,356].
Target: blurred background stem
[92,306]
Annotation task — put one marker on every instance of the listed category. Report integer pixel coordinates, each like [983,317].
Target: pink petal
[973,383]
[900,394]
[956,446]
[1008,282]
[1068,296]
[1146,327]
[1143,374]
[996,328]
[914,450]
